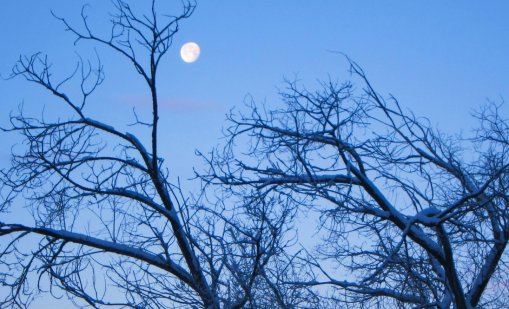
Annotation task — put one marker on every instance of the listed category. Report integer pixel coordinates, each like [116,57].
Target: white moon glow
[190,52]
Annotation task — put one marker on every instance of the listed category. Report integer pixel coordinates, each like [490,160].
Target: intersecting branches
[406,214]
[105,216]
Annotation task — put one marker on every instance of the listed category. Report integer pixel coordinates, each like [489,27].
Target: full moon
[190,52]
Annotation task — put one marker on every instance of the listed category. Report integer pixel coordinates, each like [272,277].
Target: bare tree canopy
[409,216]
[406,216]
[108,228]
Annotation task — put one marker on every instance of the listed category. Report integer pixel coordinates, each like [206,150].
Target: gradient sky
[441,59]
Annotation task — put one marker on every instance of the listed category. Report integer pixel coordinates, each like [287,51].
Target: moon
[190,52]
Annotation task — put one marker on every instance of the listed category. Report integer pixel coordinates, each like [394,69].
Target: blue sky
[441,59]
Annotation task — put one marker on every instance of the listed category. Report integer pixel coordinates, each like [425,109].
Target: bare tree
[409,216]
[108,227]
